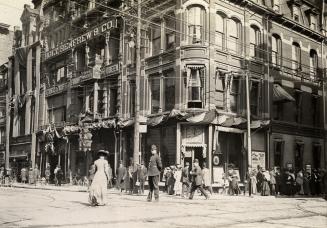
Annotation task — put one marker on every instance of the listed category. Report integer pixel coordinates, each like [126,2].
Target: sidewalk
[63,187]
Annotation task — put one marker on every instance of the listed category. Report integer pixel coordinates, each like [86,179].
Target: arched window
[220,31]
[255,41]
[313,63]
[196,18]
[234,37]
[296,56]
[276,50]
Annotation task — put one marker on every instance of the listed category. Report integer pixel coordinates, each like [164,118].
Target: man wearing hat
[196,174]
[185,179]
[155,166]
[141,176]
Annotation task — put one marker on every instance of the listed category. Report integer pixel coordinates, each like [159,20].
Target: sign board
[218,175]
[258,158]
[55,89]
[143,128]
[89,35]
[110,70]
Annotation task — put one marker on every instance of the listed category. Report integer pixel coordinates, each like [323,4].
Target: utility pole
[248,117]
[8,110]
[137,87]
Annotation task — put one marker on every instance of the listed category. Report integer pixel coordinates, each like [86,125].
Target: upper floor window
[156,38]
[195,87]
[196,17]
[296,56]
[276,50]
[234,36]
[255,97]
[296,13]
[220,31]
[313,63]
[170,27]
[255,41]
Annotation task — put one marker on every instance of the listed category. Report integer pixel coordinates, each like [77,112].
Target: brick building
[195,58]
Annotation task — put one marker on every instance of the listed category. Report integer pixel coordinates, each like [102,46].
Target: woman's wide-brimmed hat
[103,152]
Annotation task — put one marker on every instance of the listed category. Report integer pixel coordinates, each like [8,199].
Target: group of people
[286,182]
[179,180]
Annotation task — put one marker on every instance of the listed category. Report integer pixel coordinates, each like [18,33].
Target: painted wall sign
[258,158]
[82,38]
[111,69]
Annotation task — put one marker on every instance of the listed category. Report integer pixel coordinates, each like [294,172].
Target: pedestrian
[253,178]
[299,182]
[171,180]
[91,174]
[155,166]
[129,186]
[98,188]
[31,176]
[185,179]
[265,186]
[23,175]
[55,174]
[110,176]
[306,183]
[259,179]
[60,175]
[141,176]
[2,175]
[37,174]
[121,173]
[197,180]
[165,178]
[206,178]
[47,173]
[278,178]
[178,184]
[272,182]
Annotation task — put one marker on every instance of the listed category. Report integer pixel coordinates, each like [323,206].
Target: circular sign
[215,160]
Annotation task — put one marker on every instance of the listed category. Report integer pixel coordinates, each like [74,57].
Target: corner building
[195,56]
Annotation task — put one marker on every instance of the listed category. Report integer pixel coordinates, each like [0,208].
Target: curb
[47,188]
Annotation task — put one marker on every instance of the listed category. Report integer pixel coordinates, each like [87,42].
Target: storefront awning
[155,120]
[281,95]
[203,118]
[259,123]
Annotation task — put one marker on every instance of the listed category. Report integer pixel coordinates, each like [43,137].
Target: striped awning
[281,95]
[195,66]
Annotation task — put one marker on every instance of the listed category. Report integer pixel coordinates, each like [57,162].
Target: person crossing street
[155,166]
[196,174]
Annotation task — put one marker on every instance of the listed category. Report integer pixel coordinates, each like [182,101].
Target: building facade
[196,57]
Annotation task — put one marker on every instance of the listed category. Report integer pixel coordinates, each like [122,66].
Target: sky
[11,10]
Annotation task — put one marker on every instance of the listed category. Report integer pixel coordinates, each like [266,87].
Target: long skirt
[265,189]
[98,189]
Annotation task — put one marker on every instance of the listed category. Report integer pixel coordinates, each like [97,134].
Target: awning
[155,120]
[281,95]
[259,123]
[127,123]
[203,118]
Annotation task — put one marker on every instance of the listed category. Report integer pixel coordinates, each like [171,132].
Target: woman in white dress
[98,188]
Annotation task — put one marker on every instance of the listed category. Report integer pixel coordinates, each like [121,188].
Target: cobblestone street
[49,208]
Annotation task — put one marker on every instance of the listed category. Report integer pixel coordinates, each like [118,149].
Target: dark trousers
[195,187]
[185,189]
[250,187]
[154,187]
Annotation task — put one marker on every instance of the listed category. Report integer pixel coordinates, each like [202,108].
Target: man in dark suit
[196,174]
[186,179]
[155,166]
[141,176]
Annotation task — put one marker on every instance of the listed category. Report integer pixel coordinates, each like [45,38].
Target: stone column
[95,98]
[17,93]
[28,90]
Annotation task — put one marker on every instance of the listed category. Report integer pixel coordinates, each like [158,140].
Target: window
[156,38]
[255,41]
[296,56]
[196,15]
[170,24]
[169,87]
[220,31]
[132,98]
[316,156]
[234,28]
[234,93]
[155,95]
[57,114]
[195,88]
[315,110]
[278,153]
[276,50]
[296,13]
[255,97]
[163,92]
[113,101]
[298,105]
[313,64]
[298,156]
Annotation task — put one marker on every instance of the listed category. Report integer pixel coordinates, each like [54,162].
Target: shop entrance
[231,146]
[192,153]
